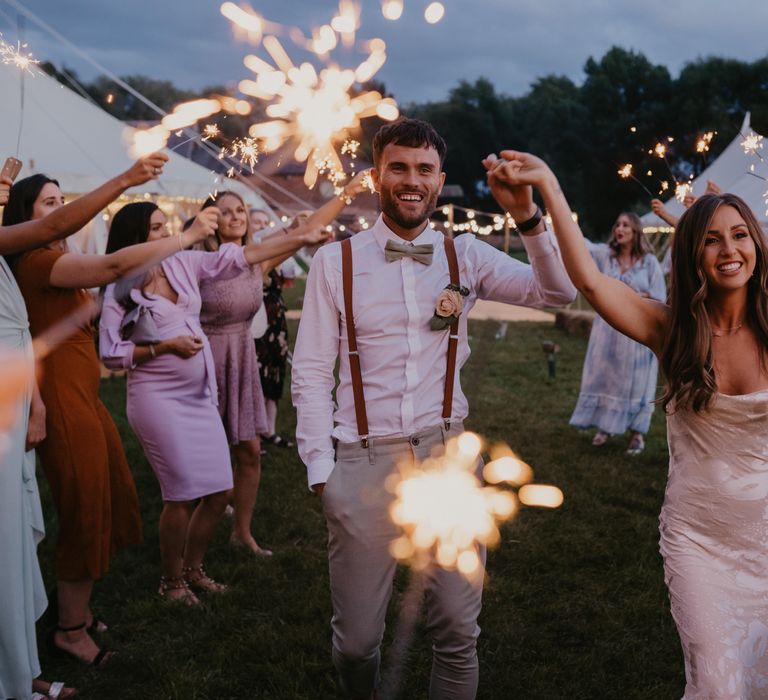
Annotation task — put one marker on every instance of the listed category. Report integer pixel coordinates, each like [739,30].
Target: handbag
[139,327]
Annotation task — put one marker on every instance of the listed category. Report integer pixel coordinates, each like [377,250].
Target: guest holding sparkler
[228,307]
[176,376]
[618,382]
[712,342]
[387,303]
[21,523]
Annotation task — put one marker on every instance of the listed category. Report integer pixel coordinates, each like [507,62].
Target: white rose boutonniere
[448,307]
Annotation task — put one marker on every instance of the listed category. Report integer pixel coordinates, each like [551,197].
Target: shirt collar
[382,233]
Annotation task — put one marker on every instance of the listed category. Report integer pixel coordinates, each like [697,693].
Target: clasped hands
[511,176]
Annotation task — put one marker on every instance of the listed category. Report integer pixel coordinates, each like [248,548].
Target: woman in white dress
[712,342]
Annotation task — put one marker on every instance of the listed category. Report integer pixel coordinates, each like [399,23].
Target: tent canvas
[74,141]
[731,171]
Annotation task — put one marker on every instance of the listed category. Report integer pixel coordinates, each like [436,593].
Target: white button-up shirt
[403,361]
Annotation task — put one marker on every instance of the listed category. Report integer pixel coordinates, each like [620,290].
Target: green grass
[574,605]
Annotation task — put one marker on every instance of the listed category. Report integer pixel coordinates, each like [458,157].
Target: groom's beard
[391,206]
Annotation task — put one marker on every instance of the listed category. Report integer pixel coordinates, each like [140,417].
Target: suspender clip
[364,442]
[353,352]
[447,423]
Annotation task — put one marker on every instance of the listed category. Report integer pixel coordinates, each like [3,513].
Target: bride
[711,340]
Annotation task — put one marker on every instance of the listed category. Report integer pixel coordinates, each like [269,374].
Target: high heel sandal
[201,581]
[177,583]
[98,661]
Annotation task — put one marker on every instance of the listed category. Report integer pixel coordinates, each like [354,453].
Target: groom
[368,303]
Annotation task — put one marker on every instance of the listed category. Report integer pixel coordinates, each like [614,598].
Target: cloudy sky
[511,42]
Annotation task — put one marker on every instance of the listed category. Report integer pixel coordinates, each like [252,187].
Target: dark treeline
[582,130]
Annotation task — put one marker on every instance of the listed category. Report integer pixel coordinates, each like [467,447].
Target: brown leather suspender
[354,358]
[453,337]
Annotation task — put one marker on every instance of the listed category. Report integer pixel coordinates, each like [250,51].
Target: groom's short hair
[412,133]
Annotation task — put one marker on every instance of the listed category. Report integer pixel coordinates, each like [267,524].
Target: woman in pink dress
[229,306]
[172,393]
[712,344]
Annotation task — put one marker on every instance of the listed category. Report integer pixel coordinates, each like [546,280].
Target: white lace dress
[714,540]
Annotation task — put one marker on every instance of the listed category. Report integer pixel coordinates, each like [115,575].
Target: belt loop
[369,446]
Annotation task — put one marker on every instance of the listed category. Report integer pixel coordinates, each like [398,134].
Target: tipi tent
[734,171]
[65,136]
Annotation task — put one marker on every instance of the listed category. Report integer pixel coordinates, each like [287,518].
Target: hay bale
[578,323]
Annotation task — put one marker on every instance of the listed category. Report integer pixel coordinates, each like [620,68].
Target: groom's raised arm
[312,378]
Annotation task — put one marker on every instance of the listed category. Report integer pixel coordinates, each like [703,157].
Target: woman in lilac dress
[229,306]
[172,392]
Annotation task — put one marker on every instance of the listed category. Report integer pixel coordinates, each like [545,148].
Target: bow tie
[421,253]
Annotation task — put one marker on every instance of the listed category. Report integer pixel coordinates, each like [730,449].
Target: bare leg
[247,477]
[202,525]
[271,417]
[74,601]
[172,529]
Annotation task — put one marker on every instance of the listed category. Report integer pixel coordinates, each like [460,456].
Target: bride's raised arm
[644,320]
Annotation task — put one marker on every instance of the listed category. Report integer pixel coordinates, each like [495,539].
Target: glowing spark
[146,141]
[246,20]
[17,56]
[349,147]
[434,12]
[247,150]
[702,145]
[659,150]
[210,131]
[633,129]
[392,9]
[445,511]
[347,21]
[540,495]
[664,186]
[682,190]
[625,171]
[752,143]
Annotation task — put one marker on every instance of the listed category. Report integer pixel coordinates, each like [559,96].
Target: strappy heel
[97,661]
[198,580]
[177,583]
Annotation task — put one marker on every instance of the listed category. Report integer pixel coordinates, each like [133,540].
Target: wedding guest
[23,427]
[228,307]
[618,382]
[393,404]
[82,456]
[172,394]
[711,340]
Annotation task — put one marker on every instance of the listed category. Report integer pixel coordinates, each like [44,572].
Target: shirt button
[415,442]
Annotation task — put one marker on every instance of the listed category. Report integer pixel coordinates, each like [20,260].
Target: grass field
[574,605]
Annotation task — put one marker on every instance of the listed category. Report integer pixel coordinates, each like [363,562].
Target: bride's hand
[519,168]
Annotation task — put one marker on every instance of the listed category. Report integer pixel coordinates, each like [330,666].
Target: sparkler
[625,173]
[142,142]
[17,56]
[313,109]
[445,513]
[702,144]
[683,190]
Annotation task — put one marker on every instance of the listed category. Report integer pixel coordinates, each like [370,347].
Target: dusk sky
[511,42]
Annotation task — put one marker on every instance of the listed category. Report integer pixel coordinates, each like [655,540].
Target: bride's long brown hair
[686,357]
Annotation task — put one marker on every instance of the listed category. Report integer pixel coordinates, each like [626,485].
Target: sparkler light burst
[752,143]
[702,144]
[445,512]
[17,56]
[313,109]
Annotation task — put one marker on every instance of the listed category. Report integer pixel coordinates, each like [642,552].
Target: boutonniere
[448,307]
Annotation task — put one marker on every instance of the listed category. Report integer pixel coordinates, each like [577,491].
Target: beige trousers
[356,505]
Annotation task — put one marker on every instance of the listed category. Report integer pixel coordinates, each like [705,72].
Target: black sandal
[275,439]
[98,661]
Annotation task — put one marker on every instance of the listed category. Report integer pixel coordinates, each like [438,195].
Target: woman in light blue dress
[21,519]
[618,382]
